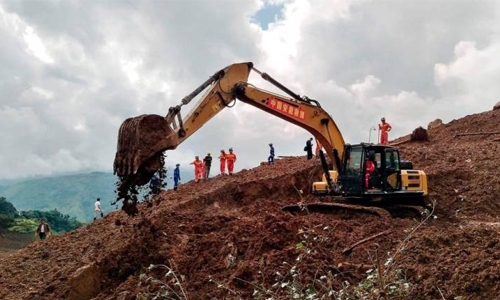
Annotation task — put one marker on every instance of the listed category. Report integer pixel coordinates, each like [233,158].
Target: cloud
[73,71]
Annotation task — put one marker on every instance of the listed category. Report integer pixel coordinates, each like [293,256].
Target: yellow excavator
[389,183]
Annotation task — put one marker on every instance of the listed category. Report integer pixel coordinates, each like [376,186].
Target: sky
[72,71]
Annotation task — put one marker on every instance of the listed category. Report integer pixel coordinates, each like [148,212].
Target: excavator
[391,184]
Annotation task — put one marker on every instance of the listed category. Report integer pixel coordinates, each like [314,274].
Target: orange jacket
[384,127]
[231,157]
[198,164]
[222,156]
[370,166]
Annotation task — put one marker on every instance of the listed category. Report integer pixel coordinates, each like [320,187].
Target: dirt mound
[226,237]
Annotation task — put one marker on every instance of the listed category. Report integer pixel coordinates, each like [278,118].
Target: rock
[497,106]
[434,124]
[419,134]
[84,283]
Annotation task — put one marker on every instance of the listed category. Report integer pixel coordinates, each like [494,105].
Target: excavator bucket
[139,154]
[140,144]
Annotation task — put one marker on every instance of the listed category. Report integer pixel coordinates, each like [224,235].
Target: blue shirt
[177,174]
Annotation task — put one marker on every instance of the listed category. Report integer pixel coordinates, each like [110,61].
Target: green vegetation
[27,221]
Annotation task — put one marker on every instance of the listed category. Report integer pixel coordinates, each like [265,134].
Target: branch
[476,133]
[348,251]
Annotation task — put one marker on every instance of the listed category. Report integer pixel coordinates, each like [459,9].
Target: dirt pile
[226,238]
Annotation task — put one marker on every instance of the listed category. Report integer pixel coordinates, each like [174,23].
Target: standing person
[231,159]
[198,168]
[309,148]
[384,129]
[98,209]
[177,176]
[207,161]
[222,158]
[43,229]
[155,184]
[270,159]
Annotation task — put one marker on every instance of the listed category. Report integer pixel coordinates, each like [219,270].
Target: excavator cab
[371,175]
[360,180]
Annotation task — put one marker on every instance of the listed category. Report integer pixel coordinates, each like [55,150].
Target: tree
[7,208]
[7,214]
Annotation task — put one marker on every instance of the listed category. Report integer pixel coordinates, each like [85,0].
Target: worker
[177,176]
[222,158]
[198,168]
[207,162]
[270,159]
[231,159]
[318,148]
[98,209]
[308,148]
[43,229]
[155,185]
[370,169]
[384,128]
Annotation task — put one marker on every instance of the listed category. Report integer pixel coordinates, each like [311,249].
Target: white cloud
[71,75]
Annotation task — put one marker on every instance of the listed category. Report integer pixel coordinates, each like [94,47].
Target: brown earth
[226,237]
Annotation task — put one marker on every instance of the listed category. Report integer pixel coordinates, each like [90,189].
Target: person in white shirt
[97,209]
[43,229]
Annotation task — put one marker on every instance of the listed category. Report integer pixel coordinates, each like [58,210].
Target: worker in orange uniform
[231,159]
[384,129]
[222,158]
[198,169]
[370,169]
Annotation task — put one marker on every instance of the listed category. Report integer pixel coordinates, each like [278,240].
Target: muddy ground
[227,238]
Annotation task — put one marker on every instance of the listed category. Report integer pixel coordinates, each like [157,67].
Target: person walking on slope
[198,168]
[222,158]
[309,148]
[207,161]
[177,176]
[384,129]
[43,229]
[270,159]
[231,159]
[98,209]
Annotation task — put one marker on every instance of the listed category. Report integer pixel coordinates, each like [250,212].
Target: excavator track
[333,208]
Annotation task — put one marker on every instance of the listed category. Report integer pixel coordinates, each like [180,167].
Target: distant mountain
[73,195]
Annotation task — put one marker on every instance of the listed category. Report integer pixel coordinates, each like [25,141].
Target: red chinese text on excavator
[143,139]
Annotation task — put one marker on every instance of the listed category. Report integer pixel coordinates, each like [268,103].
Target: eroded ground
[229,239]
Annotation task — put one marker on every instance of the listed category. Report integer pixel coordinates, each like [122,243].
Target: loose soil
[227,236]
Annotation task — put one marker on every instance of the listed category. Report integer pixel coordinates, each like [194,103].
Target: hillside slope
[73,195]
[228,238]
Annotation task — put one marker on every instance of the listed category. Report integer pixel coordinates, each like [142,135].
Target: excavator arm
[143,139]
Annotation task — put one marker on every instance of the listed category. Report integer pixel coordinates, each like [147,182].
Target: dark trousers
[309,154]
[176,184]
[207,171]
[270,159]
[42,235]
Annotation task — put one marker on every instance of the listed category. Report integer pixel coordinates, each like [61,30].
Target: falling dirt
[227,237]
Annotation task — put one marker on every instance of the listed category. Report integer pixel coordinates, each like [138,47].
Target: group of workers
[202,168]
